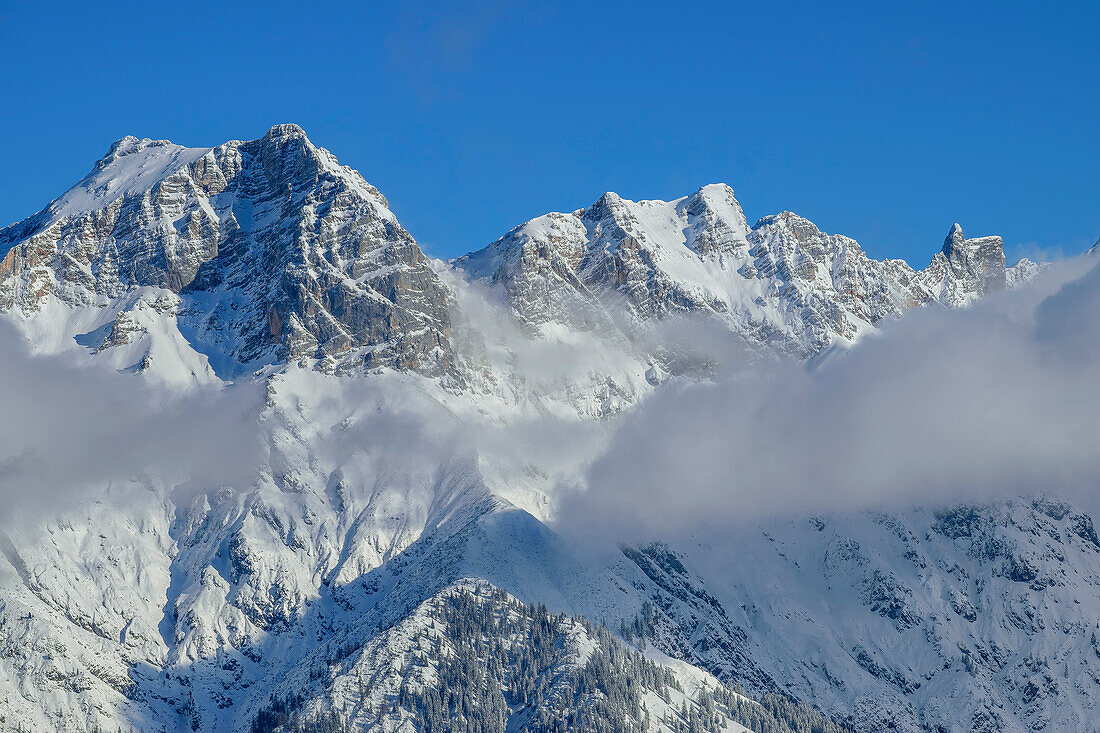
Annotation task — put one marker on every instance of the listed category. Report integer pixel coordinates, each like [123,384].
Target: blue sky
[883,121]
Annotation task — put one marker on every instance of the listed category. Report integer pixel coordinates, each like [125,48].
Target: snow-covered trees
[488,663]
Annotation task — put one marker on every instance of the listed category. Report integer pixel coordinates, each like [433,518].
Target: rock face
[966,269]
[277,250]
[782,282]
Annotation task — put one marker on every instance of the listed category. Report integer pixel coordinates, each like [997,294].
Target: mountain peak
[956,245]
[285,131]
[716,195]
[954,239]
[714,192]
[722,188]
[802,228]
[123,145]
[605,204]
[292,254]
[979,261]
[130,145]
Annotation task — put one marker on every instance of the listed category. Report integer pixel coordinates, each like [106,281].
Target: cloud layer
[68,428]
[996,400]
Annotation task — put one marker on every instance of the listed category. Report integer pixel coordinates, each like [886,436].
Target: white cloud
[69,428]
[997,400]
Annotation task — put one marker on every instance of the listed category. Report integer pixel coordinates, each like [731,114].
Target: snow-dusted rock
[782,283]
[276,250]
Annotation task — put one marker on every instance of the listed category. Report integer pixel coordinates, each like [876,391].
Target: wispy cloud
[1038,252]
[431,46]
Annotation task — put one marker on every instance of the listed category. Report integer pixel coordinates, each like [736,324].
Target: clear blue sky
[883,121]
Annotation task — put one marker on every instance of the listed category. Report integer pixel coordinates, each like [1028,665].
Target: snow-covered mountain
[280,250]
[421,422]
[973,617]
[473,653]
[782,282]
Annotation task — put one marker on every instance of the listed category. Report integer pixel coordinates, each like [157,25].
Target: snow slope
[974,617]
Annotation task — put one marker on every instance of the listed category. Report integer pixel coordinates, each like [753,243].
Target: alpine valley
[389,555]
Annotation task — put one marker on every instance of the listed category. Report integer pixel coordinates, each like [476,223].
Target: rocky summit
[277,250]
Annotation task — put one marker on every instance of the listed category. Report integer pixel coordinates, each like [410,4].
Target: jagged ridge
[782,282]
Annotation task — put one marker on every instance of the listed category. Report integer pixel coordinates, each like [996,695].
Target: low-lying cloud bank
[996,400]
[71,428]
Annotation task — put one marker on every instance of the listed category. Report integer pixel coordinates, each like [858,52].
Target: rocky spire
[980,260]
